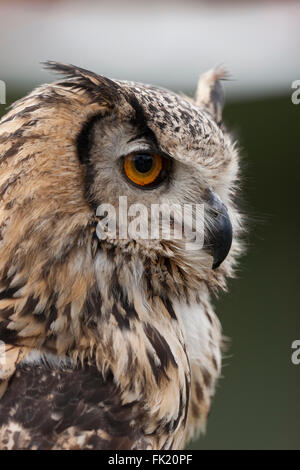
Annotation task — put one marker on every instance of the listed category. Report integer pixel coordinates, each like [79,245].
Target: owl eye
[146,170]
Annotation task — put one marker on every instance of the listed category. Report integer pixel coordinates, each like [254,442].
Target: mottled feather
[114,344]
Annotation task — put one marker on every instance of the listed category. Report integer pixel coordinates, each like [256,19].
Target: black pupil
[143,163]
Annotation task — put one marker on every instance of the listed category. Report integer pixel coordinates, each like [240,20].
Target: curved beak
[219,239]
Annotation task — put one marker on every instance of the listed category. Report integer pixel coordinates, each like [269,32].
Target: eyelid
[138,147]
[146,148]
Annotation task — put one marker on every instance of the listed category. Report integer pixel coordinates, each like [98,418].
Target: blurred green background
[257,402]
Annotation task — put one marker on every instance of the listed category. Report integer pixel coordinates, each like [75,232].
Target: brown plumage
[113,343]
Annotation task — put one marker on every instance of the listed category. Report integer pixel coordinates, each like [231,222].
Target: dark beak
[219,238]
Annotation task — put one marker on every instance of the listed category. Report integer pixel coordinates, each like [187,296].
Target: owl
[111,342]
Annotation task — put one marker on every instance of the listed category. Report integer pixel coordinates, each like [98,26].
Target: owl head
[86,141]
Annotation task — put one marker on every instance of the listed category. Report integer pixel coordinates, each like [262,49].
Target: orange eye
[145,169]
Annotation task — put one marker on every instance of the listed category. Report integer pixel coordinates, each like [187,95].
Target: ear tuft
[96,85]
[210,94]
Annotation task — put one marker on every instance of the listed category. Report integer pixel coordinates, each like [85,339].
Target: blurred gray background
[169,43]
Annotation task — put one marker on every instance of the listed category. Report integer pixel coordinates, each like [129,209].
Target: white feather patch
[203,338]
